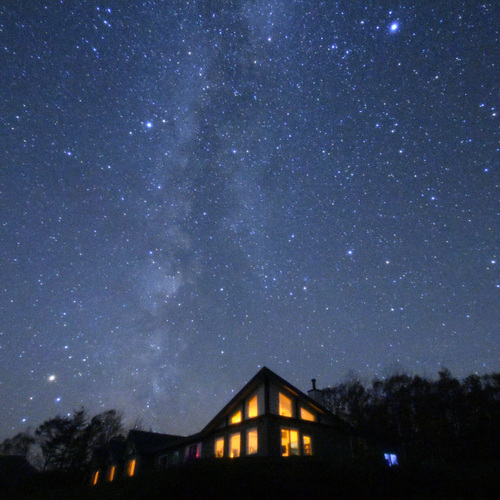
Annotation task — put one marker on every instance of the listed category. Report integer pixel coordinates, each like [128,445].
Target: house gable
[268,417]
[266,386]
[264,418]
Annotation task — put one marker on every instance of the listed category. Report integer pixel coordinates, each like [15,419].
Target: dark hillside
[295,479]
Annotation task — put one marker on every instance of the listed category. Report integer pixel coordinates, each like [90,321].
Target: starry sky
[191,190]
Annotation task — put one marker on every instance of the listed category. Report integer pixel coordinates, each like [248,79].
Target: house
[268,417]
[143,447]
[107,462]
[129,457]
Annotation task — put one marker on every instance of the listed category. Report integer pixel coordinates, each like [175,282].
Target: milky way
[192,190]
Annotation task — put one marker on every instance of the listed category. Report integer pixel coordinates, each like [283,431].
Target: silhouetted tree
[104,427]
[62,441]
[442,419]
[19,445]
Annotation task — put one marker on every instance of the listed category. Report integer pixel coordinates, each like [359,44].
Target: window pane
[391,459]
[131,468]
[111,475]
[294,442]
[193,451]
[307,445]
[285,408]
[252,441]
[219,448]
[236,418]
[285,442]
[253,408]
[306,415]
[235,444]
[289,442]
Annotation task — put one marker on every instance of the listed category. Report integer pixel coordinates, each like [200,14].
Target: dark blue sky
[192,190]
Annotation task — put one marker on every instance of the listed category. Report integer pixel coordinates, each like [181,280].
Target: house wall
[258,423]
[327,441]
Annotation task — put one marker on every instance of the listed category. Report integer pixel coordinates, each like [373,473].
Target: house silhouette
[268,417]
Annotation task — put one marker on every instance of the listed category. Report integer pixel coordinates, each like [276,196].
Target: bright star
[394,27]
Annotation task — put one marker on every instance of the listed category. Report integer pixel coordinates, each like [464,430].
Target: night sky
[191,190]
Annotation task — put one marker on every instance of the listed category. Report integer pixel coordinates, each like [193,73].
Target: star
[171,186]
[394,27]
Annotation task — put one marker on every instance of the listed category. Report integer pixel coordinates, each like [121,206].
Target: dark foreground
[291,479]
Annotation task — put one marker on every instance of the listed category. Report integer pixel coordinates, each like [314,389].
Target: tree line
[443,419]
[66,443]
[432,419]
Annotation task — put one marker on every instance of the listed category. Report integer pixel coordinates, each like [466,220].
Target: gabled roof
[144,442]
[111,453]
[260,378]
[116,449]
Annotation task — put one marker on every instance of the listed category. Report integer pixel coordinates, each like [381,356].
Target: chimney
[315,394]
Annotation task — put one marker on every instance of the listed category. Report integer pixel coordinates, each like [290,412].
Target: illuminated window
[235,445]
[253,407]
[131,467]
[252,442]
[236,418]
[285,409]
[391,459]
[306,441]
[289,442]
[111,474]
[306,415]
[193,451]
[219,448]
[96,477]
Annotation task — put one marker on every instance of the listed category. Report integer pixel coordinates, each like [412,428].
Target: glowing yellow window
[289,442]
[236,418]
[285,409]
[306,415]
[96,477]
[253,407]
[219,448]
[252,441]
[235,445]
[306,441]
[111,474]
[131,468]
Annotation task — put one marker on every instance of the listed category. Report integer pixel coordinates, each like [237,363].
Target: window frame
[250,406]
[289,431]
[304,445]
[131,464]
[305,413]
[231,437]
[281,405]
[217,441]
[236,417]
[250,431]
